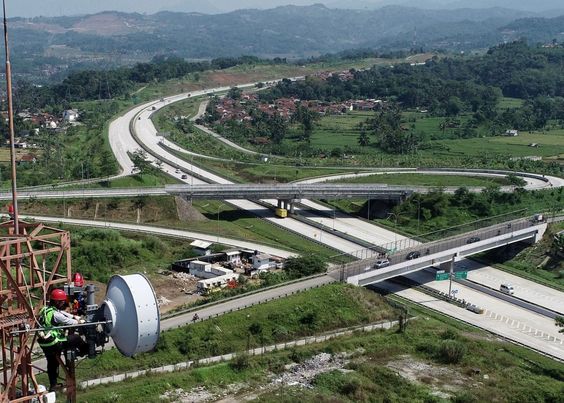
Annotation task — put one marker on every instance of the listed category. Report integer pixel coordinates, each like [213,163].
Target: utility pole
[450,275]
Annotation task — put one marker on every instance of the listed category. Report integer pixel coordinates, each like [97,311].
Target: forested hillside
[111,39]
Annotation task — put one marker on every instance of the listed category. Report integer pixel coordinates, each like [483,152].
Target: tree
[515,180]
[141,164]
[234,93]
[278,127]
[558,244]
[363,138]
[304,266]
[307,118]
[453,106]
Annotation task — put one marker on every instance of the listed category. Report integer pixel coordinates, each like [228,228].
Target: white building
[207,270]
[70,115]
[202,248]
[233,257]
[212,284]
[262,262]
[512,133]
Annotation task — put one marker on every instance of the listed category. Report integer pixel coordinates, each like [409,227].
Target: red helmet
[78,280]
[58,295]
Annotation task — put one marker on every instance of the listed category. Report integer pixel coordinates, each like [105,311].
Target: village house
[70,115]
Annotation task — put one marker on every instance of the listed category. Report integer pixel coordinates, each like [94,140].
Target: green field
[427,180]
[549,144]
[341,131]
[508,103]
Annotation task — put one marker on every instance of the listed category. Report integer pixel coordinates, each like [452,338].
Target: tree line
[446,86]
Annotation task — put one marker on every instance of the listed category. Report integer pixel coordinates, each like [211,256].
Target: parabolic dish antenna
[131,306]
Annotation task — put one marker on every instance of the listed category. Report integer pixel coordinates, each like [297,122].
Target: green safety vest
[49,337]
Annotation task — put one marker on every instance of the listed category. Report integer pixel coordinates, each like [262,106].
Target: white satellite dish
[131,306]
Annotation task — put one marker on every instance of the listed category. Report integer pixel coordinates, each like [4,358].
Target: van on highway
[507,289]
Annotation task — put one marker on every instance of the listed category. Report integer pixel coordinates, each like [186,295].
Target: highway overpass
[232,191]
[291,191]
[441,253]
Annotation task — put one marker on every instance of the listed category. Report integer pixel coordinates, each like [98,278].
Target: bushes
[240,363]
[451,351]
[304,266]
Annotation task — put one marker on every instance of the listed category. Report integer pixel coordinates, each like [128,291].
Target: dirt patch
[442,380]
[174,290]
[302,375]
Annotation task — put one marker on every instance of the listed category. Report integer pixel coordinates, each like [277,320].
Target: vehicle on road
[281,212]
[473,239]
[380,263]
[413,255]
[507,288]
[177,171]
[475,308]
[184,176]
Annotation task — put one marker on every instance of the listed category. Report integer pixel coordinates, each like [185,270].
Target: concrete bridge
[233,191]
[441,253]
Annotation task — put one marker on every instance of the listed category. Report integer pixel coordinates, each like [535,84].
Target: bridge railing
[431,248]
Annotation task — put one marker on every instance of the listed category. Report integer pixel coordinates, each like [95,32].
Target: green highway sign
[461,275]
[441,276]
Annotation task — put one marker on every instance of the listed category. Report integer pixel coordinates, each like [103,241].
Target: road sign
[461,275]
[441,276]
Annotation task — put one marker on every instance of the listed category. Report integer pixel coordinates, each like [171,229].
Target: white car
[507,288]
[381,263]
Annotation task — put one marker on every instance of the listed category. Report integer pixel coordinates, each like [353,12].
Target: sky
[32,8]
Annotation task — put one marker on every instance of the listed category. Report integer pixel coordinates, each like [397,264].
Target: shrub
[240,363]
[451,351]
[449,334]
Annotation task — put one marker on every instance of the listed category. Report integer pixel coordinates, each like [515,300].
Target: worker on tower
[52,340]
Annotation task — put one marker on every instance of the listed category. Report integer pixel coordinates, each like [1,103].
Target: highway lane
[531,291]
[239,303]
[504,319]
[509,298]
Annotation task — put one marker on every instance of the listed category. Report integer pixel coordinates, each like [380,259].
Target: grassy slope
[513,372]
[311,312]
